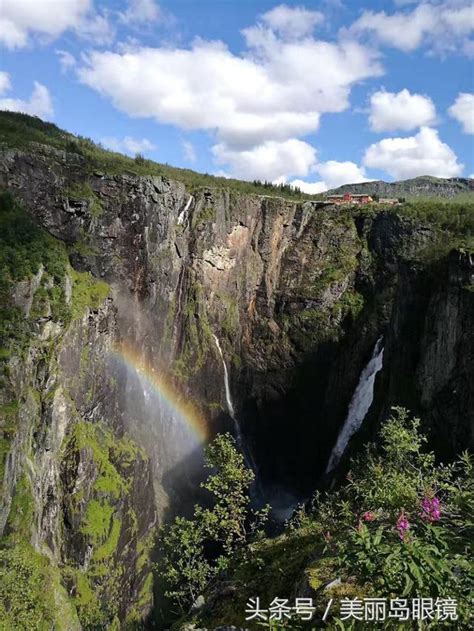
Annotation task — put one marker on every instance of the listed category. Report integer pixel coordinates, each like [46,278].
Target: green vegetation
[21,131]
[400,527]
[20,518]
[26,601]
[87,293]
[185,567]
[453,221]
[27,250]
[83,190]
[102,522]
[24,250]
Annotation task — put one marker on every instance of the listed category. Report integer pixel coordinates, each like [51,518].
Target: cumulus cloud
[422,154]
[20,18]
[270,93]
[269,160]
[463,111]
[334,174]
[443,26]
[246,100]
[292,22]
[311,188]
[140,11]
[39,104]
[402,110]
[128,144]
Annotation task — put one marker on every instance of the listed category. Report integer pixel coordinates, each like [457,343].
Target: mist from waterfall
[359,405]
[173,444]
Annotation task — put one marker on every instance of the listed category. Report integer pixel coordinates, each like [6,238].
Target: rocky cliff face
[297,295]
[77,512]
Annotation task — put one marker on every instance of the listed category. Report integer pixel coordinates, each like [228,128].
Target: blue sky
[316,93]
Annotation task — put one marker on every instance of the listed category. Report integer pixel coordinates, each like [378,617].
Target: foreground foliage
[400,527]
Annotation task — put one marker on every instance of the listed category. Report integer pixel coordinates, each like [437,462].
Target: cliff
[122,338]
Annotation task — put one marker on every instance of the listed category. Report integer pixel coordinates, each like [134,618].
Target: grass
[19,131]
[87,292]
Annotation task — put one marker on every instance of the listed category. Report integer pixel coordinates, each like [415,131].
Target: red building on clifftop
[350,198]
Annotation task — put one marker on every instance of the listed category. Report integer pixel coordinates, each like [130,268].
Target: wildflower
[402,525]
[368,516]
[430,509]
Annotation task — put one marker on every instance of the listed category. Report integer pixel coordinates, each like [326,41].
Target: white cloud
[66,60]
[96,28]
[334,174]
[272,92]
[401,110]
[269,161]
[422,154]
[39,104]
[140,11]
[47,18]
[5,83]
[337,173]
[312,188]
[443,26]
[463,111]
[292,22]
[247,100]
[189,151]
[128,144]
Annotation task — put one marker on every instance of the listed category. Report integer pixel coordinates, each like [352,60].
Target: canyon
[215,311]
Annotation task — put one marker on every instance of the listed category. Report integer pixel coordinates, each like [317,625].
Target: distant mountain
[423,186]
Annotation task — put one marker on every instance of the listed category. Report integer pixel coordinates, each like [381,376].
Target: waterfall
[228,397]
[182,214]
[257,491]
[359,405]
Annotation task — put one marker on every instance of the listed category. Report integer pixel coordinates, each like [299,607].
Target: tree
[194,550]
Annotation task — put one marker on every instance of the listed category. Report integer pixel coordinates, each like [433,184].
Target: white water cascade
[359,405]
[230,407]
[182,214]
[228,397]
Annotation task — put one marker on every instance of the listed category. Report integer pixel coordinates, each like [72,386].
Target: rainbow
[187,411]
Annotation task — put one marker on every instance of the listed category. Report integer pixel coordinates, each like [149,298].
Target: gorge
[161,313]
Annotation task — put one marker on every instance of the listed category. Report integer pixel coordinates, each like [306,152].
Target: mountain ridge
[421,186]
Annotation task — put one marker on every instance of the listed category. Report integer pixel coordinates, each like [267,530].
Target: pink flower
[368,516]
[402,525]
[430,509]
